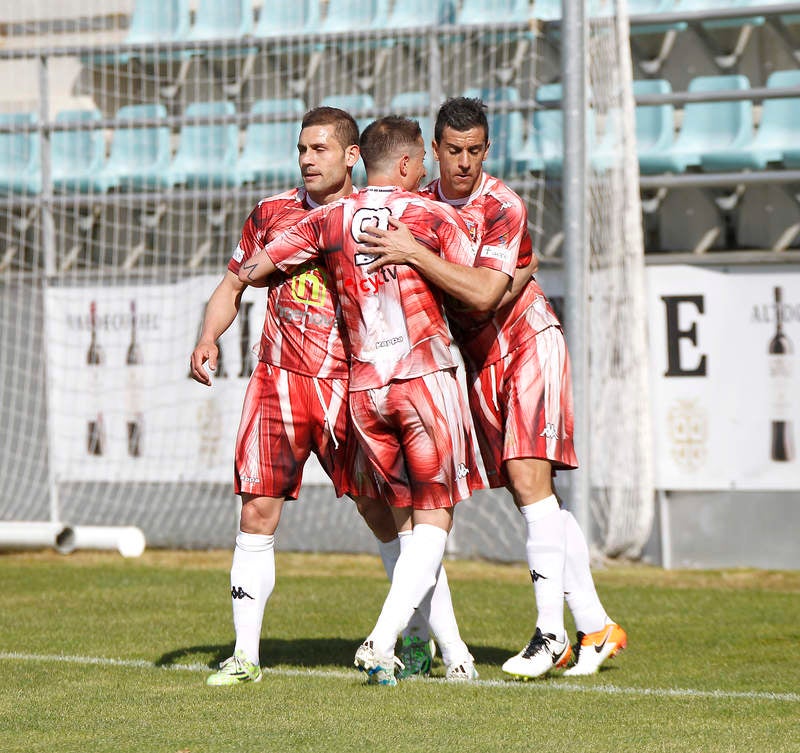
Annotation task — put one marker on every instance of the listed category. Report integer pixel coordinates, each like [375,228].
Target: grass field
[104,654]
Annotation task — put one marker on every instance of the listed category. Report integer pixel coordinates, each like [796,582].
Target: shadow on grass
[302,652]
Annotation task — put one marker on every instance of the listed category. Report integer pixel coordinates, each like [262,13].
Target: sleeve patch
[238,254]
[501,253]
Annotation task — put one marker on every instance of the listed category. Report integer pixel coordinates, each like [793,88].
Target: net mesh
[135,138]
[622,501]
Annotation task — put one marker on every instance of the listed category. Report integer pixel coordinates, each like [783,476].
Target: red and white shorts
[417,438]
[522,406]
[285,417]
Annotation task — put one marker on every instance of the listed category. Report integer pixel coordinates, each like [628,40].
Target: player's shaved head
[385,140]
[461,114]
[344,126]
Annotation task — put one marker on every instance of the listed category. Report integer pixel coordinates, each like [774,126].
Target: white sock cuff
[389,552]
[255,542]
[430,532]
[405,538]
[540,509]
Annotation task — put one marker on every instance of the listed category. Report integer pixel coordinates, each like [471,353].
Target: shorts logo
[251,480]
[549,431]
[309,287]
[461,471]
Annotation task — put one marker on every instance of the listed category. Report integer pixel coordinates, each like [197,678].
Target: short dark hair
[344,126]
[461,114]
[382,138]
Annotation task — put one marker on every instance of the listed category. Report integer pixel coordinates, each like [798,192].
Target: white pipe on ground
[129,541]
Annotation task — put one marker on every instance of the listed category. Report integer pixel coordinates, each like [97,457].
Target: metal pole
[50,266]
[576,302]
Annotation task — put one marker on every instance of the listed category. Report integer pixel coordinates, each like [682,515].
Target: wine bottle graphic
[780,385]
[95,437]
[135,419]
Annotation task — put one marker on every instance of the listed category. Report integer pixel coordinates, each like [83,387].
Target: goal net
[620,451]
[135,138]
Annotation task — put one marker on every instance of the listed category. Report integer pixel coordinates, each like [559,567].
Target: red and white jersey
[393,318]
[498,222]
[301,331]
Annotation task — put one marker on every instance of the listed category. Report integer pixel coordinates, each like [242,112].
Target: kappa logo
[535,576]
[237,592]
[461,471]
[549,431]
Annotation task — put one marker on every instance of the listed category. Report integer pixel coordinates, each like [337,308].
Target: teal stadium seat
[154,22]
[506,157]
[417,14]
[777,138]
[647,7]
[216,19]
[416,104]
[278,19]
[547,10]
[494,11]
[207,153]
[724,23]
[355,15]
[544,150]
[77,155]
[709,127]
[655,130]
[139,158]
[20,163]
[270,149]
[354,103]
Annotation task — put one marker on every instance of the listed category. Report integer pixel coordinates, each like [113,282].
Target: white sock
[579,589]
[414,575]
[252,581]
[389,551]
[418,624]
[437,608]
[546,548]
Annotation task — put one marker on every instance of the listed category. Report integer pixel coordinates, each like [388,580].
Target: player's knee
[378,517]
[260,514]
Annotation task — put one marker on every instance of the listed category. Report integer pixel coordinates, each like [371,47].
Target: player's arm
[222,308]
[522,277]
[479,287]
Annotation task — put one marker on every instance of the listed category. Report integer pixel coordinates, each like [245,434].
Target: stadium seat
[709,127]
[648,7]
[655,130]
[140,155]
[20,164]
[494,11]
[280,19]
[270,149]
[207,152]
[218,19]
[544,149]
[723,23]
[355,15]
[77,155]
[154,22]
[547,10]
[506,157]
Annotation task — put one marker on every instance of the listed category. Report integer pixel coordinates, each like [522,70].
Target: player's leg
[416,410]
[268,468]
[599,637]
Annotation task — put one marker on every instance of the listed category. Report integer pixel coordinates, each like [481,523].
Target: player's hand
[394,246]
[204,352]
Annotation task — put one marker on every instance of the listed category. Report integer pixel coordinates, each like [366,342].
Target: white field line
[572,687]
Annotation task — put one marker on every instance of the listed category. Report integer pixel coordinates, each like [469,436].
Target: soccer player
[520,392]
[296,400]
[405,402]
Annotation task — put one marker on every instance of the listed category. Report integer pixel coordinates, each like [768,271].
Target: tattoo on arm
[251,268]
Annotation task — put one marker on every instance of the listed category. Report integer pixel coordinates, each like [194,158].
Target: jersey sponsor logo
[309,287]
[549,431]
[305,316]
[238,254]
[371,284]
